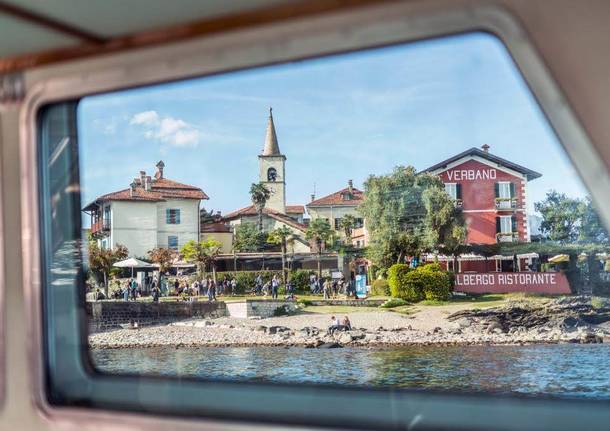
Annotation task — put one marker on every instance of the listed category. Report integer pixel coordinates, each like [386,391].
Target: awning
[560,258]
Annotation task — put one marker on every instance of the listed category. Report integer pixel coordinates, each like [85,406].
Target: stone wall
[258,308]
[349,302]
[104,315]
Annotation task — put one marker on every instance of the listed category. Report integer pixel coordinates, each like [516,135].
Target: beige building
[152,212]
[337,205]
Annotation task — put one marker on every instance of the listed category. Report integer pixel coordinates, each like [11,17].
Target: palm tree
[280,236]
[320,232]
[348,223]
[259,194]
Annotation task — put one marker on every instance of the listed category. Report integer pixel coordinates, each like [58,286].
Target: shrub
[400,284]
[438,284]
[394,302]
[300,279]
[281,311]
[380,287]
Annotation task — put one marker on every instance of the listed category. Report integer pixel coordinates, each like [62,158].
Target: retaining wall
[104,315]
[349,302]
[258,308]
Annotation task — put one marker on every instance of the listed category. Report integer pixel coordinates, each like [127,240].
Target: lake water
[565,370]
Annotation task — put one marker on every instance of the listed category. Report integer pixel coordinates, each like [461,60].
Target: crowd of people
[185,287]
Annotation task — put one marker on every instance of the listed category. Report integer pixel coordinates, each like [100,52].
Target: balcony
[100,227]
[506,203]
[507,236]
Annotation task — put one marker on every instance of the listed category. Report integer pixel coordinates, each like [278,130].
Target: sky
[337,118]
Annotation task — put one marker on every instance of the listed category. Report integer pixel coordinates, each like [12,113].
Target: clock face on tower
[271,174]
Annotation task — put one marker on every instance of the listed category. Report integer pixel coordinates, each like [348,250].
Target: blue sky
[337,118]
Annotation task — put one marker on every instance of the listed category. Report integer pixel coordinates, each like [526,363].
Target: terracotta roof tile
[336,199]
[215,227]
[251,211]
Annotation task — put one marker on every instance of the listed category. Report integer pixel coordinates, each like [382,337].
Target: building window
[506,224]
[172,242]
[451,189]
[271,174]
[337,223]
[504,190]
[172,216]
[359,222]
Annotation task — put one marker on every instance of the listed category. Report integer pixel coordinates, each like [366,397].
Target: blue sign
[361,286]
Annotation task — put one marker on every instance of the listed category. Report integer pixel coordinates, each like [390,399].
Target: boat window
[319,242]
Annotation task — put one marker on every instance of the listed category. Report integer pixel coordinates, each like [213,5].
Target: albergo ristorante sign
[506,282]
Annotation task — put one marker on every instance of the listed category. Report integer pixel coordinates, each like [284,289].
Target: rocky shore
[564,320]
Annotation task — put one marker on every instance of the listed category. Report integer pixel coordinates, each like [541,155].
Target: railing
[506,203]
[507,237]
[100,226]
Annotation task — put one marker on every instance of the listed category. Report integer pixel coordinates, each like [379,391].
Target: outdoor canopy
[134,263]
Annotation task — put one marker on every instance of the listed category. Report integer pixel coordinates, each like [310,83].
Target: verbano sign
[471,174]
[505,282]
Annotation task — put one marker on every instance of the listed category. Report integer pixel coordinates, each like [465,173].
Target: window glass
[388,264]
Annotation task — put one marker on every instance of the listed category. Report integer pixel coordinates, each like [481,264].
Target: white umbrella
[132,263]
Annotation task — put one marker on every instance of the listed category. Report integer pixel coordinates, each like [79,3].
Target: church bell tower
[272,169]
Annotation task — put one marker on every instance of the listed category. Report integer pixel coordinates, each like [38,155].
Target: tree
[248,238]
[444,227]
[164,257]
[591,228]
[203,254]
[561,216]
[320,233]
[259,194]
[280,236]
[101,261]
[348,223]
[396,214]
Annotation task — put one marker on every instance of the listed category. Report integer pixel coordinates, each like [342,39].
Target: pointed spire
[271,146]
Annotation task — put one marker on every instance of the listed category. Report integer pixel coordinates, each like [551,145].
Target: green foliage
[280,237]
[380,287]
[259,194]
[438,284]
[413,285]
[202,253]
[348,223]
[281,311]
[393,303]
[396,280]
[248,238]
[407,213]
[320,232]
[560,216]
[300,279]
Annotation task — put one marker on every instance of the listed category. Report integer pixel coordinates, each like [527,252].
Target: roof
[161,189]
[215,227]
[251,211]
[530,174]
[271,147]
[336,199]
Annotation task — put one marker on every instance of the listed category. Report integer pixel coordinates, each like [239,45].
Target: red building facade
[492,193]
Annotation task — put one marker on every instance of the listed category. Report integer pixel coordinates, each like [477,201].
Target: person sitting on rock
[335,324]
[346,323]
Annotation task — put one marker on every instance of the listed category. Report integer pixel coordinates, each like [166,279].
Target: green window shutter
[167,216]
[177,216]
[497,189]
[458,191]
[512,190]
[513,220]
[498,228]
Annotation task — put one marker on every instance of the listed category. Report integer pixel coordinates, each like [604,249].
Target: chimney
[313,197]
[147,181]
[350,186]
[485,148]
[142,177]
[159,173]
[132,188]
[218,216]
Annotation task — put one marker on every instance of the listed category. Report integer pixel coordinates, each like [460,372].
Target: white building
[152,212]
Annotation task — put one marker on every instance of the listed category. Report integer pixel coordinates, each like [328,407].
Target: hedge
[300,279]
[413,285]
[246,280]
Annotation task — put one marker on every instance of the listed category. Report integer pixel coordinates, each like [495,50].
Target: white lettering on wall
[516,278]
[471,174]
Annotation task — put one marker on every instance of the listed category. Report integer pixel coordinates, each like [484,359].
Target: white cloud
[168,130]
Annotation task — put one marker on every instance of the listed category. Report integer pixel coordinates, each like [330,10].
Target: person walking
[134,287]
[275,284]
[258,284]
[126,291]
[233,286]
[326,289]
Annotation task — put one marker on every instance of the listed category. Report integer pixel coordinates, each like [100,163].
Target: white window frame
[451,190]
[312,37]
[504,222]
[504,190]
